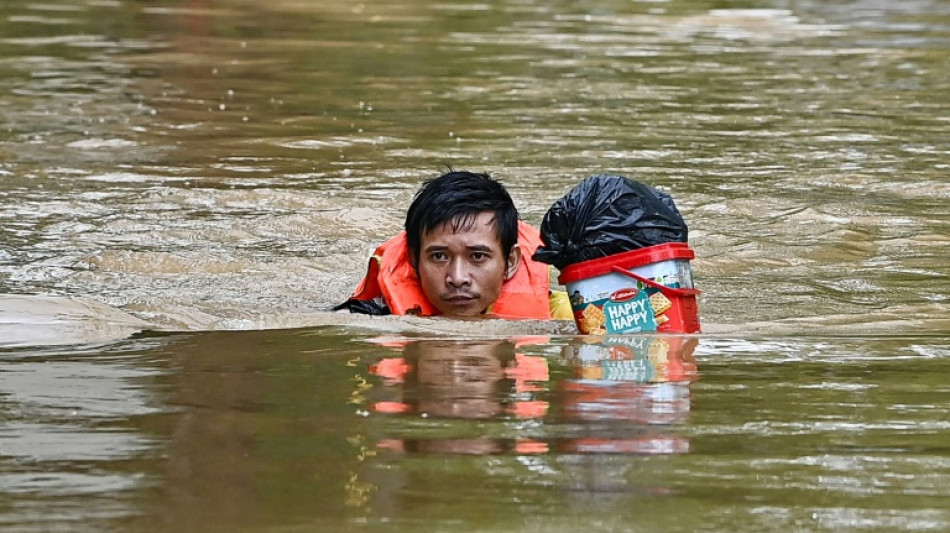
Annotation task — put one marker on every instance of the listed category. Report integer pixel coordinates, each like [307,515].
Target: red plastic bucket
[641,291]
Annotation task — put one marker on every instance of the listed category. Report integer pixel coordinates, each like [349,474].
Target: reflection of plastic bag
[605,215]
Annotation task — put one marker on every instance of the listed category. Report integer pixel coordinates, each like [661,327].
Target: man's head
[462,233]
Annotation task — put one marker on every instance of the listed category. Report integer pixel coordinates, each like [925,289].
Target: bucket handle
[647,281]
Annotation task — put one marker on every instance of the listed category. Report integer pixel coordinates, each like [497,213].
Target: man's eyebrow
[472,248]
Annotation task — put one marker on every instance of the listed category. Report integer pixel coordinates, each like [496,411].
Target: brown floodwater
[187,186]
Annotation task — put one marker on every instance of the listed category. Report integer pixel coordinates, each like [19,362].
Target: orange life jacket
[390,275]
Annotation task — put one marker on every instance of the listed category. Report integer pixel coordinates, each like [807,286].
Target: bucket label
[629,314]
[627,310]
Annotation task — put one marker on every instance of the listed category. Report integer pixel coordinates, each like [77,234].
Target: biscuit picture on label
[593,320]
[660,303]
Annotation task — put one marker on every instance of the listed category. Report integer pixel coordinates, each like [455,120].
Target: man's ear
[514,261]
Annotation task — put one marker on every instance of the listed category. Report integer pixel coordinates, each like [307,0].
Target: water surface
[311,429]
[230,165]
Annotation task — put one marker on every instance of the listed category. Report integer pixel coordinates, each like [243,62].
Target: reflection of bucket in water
[640,359]
[650,289]
[643,379]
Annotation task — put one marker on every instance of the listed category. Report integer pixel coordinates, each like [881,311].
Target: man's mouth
[459,298]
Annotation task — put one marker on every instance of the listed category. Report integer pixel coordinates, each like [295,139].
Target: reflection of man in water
[463,379]
[459,380]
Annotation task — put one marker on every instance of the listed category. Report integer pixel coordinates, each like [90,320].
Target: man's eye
[438,256]
[479,256]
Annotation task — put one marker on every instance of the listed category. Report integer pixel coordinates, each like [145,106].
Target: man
[463,253]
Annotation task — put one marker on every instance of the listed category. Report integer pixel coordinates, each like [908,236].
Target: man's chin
[468,308]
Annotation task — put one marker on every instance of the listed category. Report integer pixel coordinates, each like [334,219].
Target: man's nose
[457,275]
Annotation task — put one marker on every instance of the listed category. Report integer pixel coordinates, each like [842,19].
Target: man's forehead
[466,223]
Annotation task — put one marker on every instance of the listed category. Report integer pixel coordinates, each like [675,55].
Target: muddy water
[229,165]
[175,174]
[311,429]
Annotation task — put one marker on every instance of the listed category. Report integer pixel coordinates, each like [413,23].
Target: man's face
[462,272]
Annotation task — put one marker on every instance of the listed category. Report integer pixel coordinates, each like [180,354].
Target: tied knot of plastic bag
[606,215]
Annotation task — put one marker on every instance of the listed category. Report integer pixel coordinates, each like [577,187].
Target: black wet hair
[457,197]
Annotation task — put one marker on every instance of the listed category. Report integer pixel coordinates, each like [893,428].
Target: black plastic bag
[605,215]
